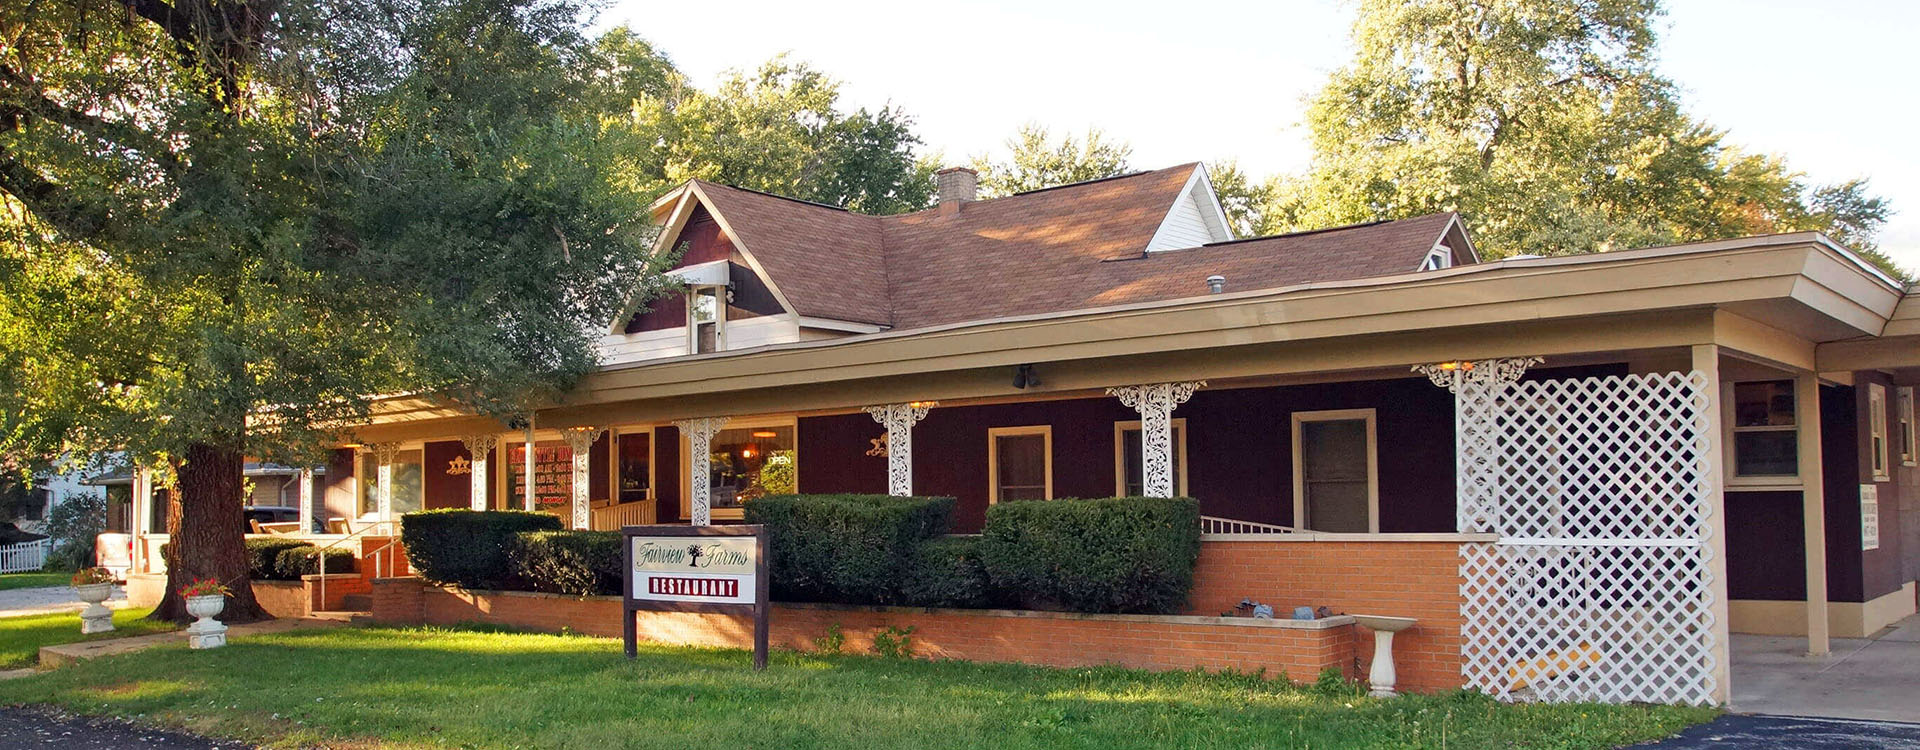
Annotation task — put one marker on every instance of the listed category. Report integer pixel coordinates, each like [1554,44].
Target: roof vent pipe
[1216,283]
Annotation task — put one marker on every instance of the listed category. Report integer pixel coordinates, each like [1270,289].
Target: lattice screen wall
[1598,588]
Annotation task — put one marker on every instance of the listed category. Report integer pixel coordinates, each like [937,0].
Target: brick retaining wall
[1401,577]
[1301,650]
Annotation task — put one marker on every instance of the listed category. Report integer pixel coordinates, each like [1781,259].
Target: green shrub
[467,547]
[946,572]
[845,548]
[302,561]
[582,563]
[1120,554]
[263,557]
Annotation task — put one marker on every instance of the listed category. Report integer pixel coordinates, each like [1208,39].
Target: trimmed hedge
[846,548]
[263,556]
[467,548]
[1119,555]
[946,572]
[582,563]
[302,561]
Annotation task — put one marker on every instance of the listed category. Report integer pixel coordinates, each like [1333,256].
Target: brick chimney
[957,185]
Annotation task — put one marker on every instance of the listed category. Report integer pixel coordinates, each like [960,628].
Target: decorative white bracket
[899,420]
[1454,375]
[383,456]
[479,452]
[1156,403]
[699,433]
[580,448]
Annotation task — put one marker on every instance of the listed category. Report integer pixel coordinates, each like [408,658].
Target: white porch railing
[612,517]
[25,556]
[1218,525]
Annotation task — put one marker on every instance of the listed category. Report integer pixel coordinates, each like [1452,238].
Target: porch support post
[305,478]
[1813,508]
[1475,387]
[526,477]
[1156,403]
[580,446]
[383,454]
[699,433]
[479,454]
[1706,361]
[142,515]
[899,420]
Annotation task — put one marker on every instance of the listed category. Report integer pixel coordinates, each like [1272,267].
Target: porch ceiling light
[765,433]
[923,404]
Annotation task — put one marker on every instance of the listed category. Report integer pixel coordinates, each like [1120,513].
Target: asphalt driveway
[1789,733]
[48,599]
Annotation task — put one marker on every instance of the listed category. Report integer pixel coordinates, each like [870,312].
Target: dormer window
[706,319]
[1439,257]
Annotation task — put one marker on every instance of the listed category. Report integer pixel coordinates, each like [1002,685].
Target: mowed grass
[22,637]
[430,687]
[33,580]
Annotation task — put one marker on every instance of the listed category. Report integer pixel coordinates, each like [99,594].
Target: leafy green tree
[779,130]
[1547,125]
[1034,161]
[1251,205]
[224,224]
[72,524]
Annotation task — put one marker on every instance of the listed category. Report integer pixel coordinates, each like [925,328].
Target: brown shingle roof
[1072,247]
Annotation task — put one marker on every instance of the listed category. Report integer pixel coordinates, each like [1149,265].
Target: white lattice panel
[1597,589]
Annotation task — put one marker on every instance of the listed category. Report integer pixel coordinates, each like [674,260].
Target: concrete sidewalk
[1876,679]
[45,600]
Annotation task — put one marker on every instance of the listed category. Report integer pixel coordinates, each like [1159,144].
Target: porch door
[1597,588]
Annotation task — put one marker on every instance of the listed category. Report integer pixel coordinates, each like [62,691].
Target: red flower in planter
[205,587]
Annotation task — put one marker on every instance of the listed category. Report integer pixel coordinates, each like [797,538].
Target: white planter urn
[206,632]
[96,618]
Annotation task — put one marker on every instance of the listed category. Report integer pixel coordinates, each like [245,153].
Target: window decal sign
[695,569]
[1869,516]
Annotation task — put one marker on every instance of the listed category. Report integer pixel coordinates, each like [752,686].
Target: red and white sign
[711,569]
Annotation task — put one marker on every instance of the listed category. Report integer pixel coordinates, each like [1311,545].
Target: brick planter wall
[1403,575]
[282,598]
[1301,650]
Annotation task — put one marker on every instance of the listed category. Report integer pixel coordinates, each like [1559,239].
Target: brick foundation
[1400,577]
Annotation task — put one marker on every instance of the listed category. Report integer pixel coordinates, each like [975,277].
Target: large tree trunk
[207,535]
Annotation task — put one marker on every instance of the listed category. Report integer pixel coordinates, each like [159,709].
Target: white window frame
[1373,462]
[363,485]
[1120,455]
[1878,449]
[1439,257]
[1909,446]
[1729,427]
[993,456]
[719,317]
[653,461]
[685,511]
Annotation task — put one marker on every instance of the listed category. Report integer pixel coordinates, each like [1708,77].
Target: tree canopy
[1035,160]
[1548,126]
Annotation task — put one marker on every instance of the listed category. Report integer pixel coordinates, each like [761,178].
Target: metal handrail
[381,550]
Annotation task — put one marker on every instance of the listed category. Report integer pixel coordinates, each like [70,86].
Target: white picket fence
[24,557]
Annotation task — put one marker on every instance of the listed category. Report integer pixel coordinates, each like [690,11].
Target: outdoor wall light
[765,433]
[1023,377]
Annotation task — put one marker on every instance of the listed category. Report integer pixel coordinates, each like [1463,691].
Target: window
[1129,479]
[1020,463]
[1766,436]
[1909,447]
[706,320]
[1877,427]
[751,461]
[552,476]
[1439,257]
[634,476]
[406,482]
[1335,471]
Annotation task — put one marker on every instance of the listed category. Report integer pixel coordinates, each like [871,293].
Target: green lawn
[33,580]
[22,637]
[419,687]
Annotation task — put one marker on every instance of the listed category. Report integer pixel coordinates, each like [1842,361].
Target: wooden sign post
[695,569]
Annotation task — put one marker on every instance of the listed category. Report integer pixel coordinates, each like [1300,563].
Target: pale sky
[1831,84]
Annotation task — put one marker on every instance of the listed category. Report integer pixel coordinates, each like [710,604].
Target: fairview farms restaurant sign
[696,569]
